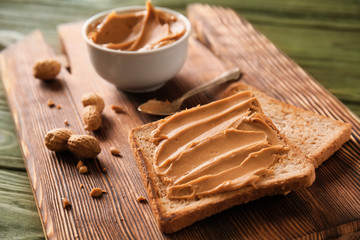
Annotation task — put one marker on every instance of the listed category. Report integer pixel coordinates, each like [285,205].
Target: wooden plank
[237,43]
[300,28]
[316,212]
[17,200]
[321,36]
[55,174]
[19,216]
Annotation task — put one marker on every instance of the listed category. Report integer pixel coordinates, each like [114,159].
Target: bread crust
[172,221]
[328,146]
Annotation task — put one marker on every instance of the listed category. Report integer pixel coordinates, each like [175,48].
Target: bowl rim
[95,17]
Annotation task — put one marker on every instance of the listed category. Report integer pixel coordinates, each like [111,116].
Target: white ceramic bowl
[133,71]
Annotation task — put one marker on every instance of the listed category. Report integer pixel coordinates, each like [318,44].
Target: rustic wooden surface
[306,30]
[118,213]
[237,43]
[55,175]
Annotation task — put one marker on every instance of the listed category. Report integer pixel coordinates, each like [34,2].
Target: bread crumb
[66,122]
[115,151]
[58,106]
[104,170]
[66,203]
[79,165]
[50,103]
[83,169]
[141,199]
[117,109]
[76,236]
[81,186]
[97,192]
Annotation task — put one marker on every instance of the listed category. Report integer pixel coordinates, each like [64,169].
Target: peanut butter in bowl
[137,48]
[137,30]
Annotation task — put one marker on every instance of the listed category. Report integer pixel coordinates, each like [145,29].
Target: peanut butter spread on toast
[222,146]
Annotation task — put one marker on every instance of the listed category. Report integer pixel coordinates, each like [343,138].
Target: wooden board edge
[4,78]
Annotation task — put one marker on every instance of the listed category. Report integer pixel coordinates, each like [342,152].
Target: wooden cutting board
[221,40]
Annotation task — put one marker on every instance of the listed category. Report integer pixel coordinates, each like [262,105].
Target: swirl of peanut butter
[222,146]
[137,30]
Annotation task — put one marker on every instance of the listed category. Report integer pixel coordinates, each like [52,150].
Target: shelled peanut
[93,107]
[62,139]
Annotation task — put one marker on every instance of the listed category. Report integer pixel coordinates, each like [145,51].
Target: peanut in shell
[91,118]
[93,99]
[46,69]
[84,146]
[57,139]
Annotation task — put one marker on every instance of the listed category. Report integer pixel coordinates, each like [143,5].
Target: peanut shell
[93,99]
[57,139]
[91,118]
[46,69]
[84,146]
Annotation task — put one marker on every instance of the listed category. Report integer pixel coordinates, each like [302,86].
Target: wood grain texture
[310,214]
[19,216]
[54,176]
[237,43]
[321,36]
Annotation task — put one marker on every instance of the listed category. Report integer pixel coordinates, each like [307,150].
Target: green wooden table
[322,36]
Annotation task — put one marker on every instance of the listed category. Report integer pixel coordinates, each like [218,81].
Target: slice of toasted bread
[291,172]
[317,136]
